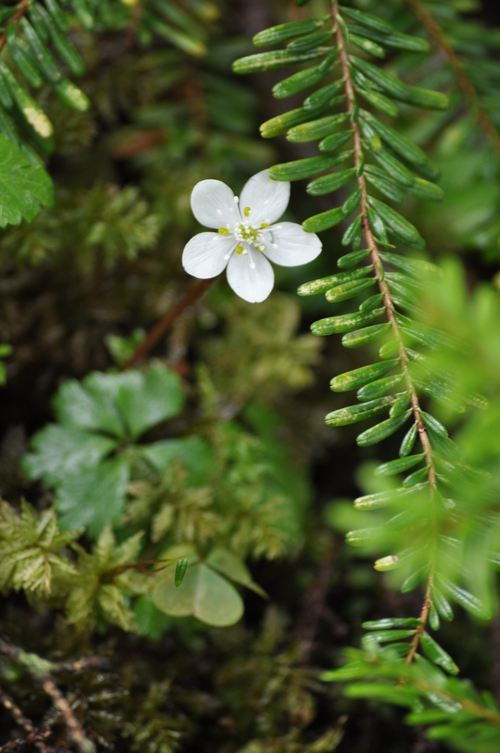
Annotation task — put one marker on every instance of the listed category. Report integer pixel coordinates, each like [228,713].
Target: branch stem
[466,86]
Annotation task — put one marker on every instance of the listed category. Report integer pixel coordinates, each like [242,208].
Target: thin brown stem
[23,7]
[162,326]
[464,83]
[383,286]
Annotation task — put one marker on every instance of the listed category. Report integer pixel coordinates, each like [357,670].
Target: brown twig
[41,669]
[23,7]
[162,326]
[465,84]
[383,286]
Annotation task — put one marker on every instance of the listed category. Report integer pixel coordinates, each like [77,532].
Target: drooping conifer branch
[384,288]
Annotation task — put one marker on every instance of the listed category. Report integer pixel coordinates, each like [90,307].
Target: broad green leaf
[24,187]
[94,497]
[229,565]
[193,452]
[203,593]
[59,451]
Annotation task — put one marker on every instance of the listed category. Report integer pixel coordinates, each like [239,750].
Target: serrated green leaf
[382,430]
[365,335]
[94,497]
[24,187]
[146,398]
[344,322]
[351,380]
[194,453]
[352,414]
[61,450]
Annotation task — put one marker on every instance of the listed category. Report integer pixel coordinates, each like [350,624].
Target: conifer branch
[465,84]
[383,287]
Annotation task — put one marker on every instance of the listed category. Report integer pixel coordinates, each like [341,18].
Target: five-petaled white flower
[246,239]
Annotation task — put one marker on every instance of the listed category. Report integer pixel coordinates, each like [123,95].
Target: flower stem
[157,332]
[384,289]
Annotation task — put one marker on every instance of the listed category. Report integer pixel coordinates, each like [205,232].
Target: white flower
[246,239]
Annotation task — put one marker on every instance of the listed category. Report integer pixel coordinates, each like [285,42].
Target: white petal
[289,245]
[253,285]
[213,204]
[204,256]
[266,198]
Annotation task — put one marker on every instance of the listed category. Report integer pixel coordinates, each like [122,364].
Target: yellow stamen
[239,249]
[223,231]
[263,225]
[247,211]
